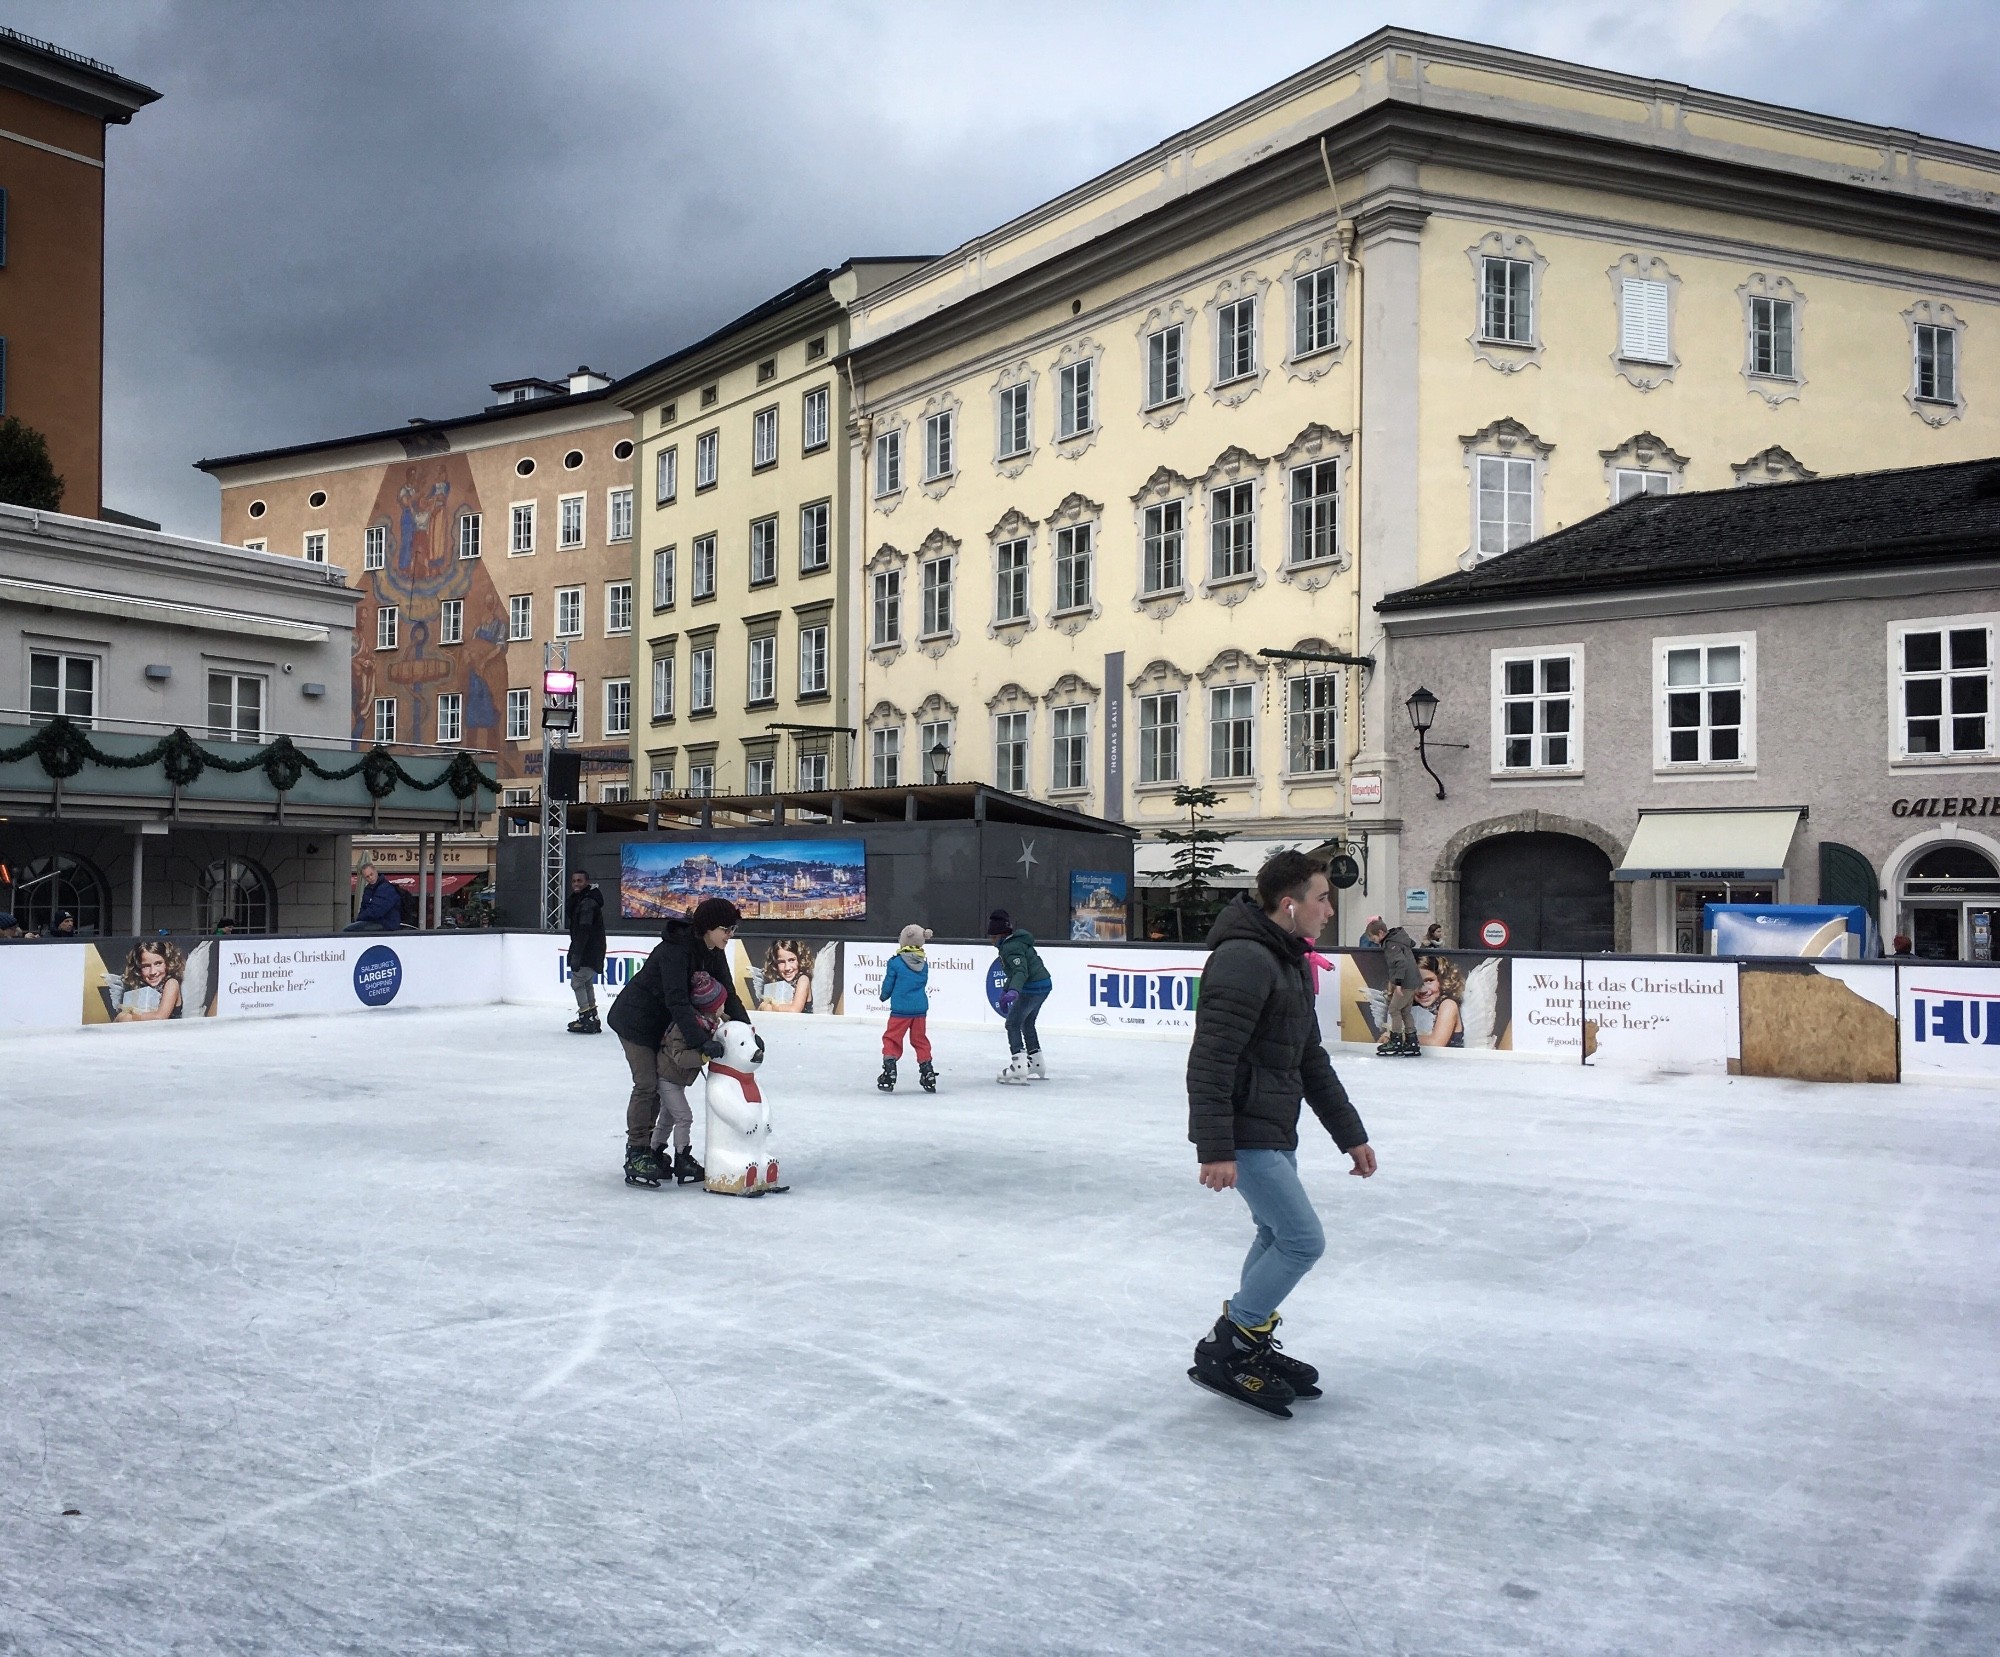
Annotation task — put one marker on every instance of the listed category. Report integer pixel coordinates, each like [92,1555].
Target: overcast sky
[341,215]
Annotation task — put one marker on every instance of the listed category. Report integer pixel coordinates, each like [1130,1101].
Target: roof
[1922,514]
[61,76]
[932,803]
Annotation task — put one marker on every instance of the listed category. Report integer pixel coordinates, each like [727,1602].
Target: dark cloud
[342,215]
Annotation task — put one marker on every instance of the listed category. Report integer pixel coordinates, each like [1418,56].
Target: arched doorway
[1549,891]
[1948,904]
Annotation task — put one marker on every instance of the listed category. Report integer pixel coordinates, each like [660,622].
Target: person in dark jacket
[1256,1053]
[583,913]
[660,994]
[1399,1040]
[1026,986]
[381,904]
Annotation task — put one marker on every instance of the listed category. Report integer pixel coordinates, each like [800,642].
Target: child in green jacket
[1027,986]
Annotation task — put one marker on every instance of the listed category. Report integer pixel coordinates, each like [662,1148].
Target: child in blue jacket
[906,987]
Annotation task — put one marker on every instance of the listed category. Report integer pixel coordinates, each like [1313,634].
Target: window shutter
[1643,319]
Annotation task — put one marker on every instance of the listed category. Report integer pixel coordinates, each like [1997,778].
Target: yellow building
[1413,306]
[743,651]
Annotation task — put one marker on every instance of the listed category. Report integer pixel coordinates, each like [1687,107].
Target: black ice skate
[1230,1362]
[642,1166]
[585,1024]
[1301,1377]
[685,1169]
[926,1075]
[887,1080]
[1411,1048]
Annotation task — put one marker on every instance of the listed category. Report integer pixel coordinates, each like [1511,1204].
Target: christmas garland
[64,748]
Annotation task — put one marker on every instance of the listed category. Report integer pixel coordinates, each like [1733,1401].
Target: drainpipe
[857,606]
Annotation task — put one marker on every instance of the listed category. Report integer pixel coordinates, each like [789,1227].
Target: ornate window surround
[1075,509]
[1506,355]
[1014,525]
[1160,677]
[885,504]
[1072,690]
[1312,258]
[1316,443]
[1164,485]
[1230,666]
[1774,388]
[1505,436]
[1646,267]
[1011,698]
[1643,452]
[1015,373]
[1235,464]
[1286,673]
[1935,313]
[1078,350]
[1173,314]
[886,558]
[945,402]
[1245,284]
[934,546]
[1773,465]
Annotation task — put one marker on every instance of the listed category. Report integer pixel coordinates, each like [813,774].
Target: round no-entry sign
[1494,934]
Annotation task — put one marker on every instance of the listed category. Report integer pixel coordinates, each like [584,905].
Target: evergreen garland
[63,747]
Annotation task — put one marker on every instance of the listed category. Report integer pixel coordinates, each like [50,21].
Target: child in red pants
[906,987]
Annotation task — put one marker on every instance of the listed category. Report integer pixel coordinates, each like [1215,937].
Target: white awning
[1710,845]
[1153,860]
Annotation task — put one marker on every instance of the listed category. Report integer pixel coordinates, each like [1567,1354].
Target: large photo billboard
[769,880]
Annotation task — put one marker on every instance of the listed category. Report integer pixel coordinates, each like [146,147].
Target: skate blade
[1207,1385]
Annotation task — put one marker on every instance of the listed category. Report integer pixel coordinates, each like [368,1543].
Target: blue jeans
[1021,1033]
[1289,1237]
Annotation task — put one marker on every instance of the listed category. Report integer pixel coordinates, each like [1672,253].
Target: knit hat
[713,912]
[706,994]
[999,924]
[913,937]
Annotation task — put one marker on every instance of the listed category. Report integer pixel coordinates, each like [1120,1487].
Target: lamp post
[940,759]
[1423,708]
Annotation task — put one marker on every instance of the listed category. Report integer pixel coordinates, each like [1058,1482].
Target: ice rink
[344,1336]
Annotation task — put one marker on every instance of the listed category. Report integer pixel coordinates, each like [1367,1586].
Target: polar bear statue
[738,1156]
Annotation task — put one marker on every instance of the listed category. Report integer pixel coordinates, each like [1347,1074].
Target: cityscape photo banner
[769,880]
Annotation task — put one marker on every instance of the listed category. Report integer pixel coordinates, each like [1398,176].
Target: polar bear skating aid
[738,1156]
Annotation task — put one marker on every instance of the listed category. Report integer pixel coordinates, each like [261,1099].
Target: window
[1506,489]
[701,679]
[938,461]
[1771,337]
[468,534]
[763,680]
[1704,701]
[767,370]
[316,546]
[1632,483]
[1165,381]
[763,551]
[1014,434]
[889,463]
[617,707]
[1010,581]
[1937,364]
[663,578]
[815,537]
[1534,711]
[701,778]
[62,685]
[569,612]
[663,686]
[1010,752]
[932,735]
[451,621]
[569,521]
[517,797]
[519,713]
[1946,690]
[710,395]
[1235,340]
[1231,726]
[622,449]
[1315,311]
[374,547]
[1069,748]
[451,716]
[1076,400]
[1506,305]
[257,546]
[704,566]
[615,791]
[887,628]
[388,625]
[1315,493]
[813,419]
[618,505]
[812,771]
[1642,320]
[812,659]
[236,708]
[1312,719]
[50,885]
[236,894]
[572,460]
[669,413]
[1160,737]
[1232,531]
[705,449]
[764,438]
[663,778]
[521,534]
[937,597]
[760,775]
[385,719]
[1161,565]
[521,617]
[666,476]
[816,348]
[617,607]
[885,757]
[1073,572]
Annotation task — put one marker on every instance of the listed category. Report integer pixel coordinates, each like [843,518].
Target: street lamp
[1423,708]
[940,758]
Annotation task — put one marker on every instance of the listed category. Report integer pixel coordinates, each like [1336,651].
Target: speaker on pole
[565,774]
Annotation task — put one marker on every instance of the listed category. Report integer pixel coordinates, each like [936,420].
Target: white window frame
[1163,548]
[815,537]
[615,792]
[520,715]
[1324,707]
[885,609]
[810,773]
[815,419]
[889,463]
[617,608]
[617,707]
[707,460]
[1166,365]
[1505,466]
[701,576]
[701,678]
[760,675]
[471,529]
[1222,730]
[1645,320]
[667,475]
[569,613]
[618,513]
[388,627]
[1506,296]
[1161,740]
[1076,568]
[1069,748]
[451,621]
[1312,521]
[764,438]
[1538,701]
[663,685]
[519,797]
[1315,301]
[520,529]
[940,446]
[1013,579]
[384,722]
[936,586]
[520,617]
[1746,759]
[451,716]
[763,551]
[661,778]
[760,774]
[1013,750]
[1774,352]
[1076,399]
[814,639]
[930,733]
[235,728]
[1014,412]
[375,547]
[664,574]
[885,756]
[701,779]
[1236,340]
[1899,676]
[1232,531]
[315,546]
[1628,481]
[572,521]
[1942,396]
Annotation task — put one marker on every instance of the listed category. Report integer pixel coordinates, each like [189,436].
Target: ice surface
[344,1335]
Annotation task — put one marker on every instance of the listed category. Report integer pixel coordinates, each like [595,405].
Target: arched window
[235,895]
[1952,863]
[51,886]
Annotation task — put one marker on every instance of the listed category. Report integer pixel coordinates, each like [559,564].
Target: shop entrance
[1949,905]
[1547,891]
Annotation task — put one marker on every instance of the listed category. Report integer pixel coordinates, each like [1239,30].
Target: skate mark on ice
[1946,1564]
[596,1326]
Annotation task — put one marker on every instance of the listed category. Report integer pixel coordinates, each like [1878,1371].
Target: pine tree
[27,476]
[1196,860]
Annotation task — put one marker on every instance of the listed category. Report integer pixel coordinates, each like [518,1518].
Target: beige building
[744,648]
[476,542]
[1418,304]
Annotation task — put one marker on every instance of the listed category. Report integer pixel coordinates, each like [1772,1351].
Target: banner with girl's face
[148,980]
[1461,999]
[786,974]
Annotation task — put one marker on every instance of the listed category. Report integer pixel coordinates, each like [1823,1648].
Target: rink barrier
[1812,1020]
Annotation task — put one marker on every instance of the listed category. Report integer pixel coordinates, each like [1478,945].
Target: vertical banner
[1114,734]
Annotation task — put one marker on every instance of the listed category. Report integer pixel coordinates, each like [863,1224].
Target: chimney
[587,379]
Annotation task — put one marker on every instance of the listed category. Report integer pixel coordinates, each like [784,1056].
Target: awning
[1710,845]
[452,883]
[1153,860]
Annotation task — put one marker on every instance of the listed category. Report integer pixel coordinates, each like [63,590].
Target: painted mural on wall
[419,507]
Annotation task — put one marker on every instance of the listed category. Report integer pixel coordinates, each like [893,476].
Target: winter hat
[999,924]
[713,912]
[913,937]
[706,994]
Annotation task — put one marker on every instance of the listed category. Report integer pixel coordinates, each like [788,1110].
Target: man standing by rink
[1256,1054]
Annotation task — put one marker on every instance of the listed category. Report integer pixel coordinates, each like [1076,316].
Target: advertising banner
[39,984]
[1667,1015]
[1134,990]
[267,977]
[148,980]
[768,880]
[535,968]
[1951,1021]
[957,981]
[1096,906]
[786,975]
[1462,1000]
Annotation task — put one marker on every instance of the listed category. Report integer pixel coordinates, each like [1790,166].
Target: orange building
[54,107]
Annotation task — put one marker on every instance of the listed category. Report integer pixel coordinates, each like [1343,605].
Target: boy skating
[1399,958]
[1256,1053]
[1026,986]
[906,987]
[583,910]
